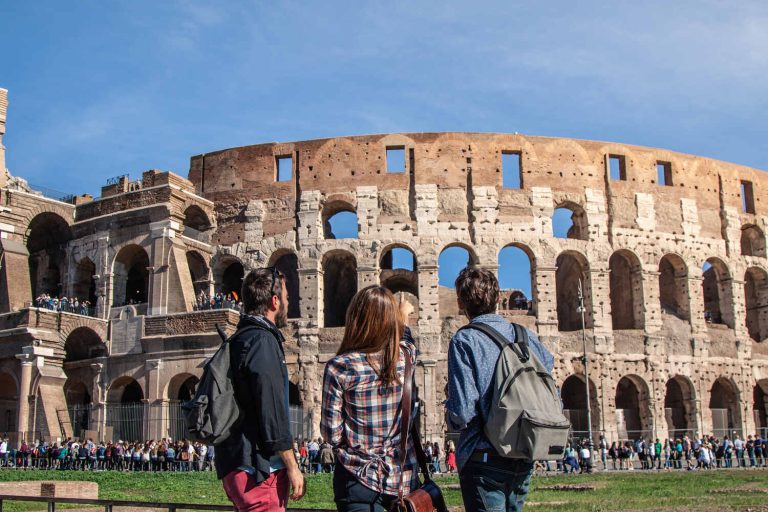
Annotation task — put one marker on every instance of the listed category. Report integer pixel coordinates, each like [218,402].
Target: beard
[281,318]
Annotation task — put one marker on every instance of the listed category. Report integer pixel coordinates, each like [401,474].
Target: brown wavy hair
[374,326]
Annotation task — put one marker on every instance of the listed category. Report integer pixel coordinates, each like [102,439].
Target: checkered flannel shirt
[361,420]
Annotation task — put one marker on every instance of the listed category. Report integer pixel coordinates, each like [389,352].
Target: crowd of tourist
[218,301]
[64,304]
[87,455]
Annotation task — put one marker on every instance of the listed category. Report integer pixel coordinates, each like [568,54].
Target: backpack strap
[519,347]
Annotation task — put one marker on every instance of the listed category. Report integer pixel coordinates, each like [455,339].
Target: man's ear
[275,302]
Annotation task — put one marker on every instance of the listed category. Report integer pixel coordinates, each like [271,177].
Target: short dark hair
[259,286]
[478,290]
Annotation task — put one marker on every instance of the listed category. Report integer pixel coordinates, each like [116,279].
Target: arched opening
[569,220]
[187,389]
[47,238]
[9,399]
[85,286]
[340,221]
[131,276]
[570,276]
[196,224]
[680,407]
[294,395]
[752,241]
[229,277]
[756,303]
[83,343]
[288,265]
[451,261]
[78,405]
[760,406]
[125,410]
[516,278]
[339,286]
[633,411]
[574,396]
[673,286]
[717,293]
[399,274]
[198,271]
[626,291]
[725,409]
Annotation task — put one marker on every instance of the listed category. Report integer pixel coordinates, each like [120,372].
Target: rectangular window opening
[664,173]
[284,167]
[511,170]
[747,197]
[396,159]
[617,167]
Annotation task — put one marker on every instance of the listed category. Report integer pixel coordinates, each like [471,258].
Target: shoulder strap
[520,346]
[407,427]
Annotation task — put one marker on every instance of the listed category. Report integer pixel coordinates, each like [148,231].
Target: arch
[294,394]
[198,271]
[228,275]
[516,276]
[453,258]
[571,268]
[756,303]
[196,218]
[182,387]
[760,404]
[47,237]
[399,273]
[575,404]
[673,286]
[85,286]
[752,241]
[626,290]
[634,419]
[724,404]
[340,220]
[9,399]
[288,264]
[398,256]
[125,390]
[339,286]
[83,343]
[569,220]
[680,407]
[131,275]
[718,298]
[76,393]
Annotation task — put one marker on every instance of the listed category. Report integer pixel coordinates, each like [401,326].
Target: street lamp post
[585,362]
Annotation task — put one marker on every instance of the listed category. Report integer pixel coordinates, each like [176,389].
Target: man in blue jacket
[256,463]
[488,481]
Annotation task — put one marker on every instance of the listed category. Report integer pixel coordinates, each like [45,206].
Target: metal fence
[142,421]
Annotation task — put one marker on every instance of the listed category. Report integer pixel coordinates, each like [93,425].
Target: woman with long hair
[362,391]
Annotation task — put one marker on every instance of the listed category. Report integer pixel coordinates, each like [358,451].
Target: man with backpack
[490,479]
[256,461]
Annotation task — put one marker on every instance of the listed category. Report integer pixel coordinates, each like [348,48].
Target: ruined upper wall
[457,162]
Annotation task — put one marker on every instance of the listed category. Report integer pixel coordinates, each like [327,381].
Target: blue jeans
[497,485]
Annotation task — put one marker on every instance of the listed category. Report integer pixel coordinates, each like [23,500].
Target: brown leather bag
[428,497]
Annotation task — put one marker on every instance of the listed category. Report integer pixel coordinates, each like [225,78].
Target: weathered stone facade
[675,276]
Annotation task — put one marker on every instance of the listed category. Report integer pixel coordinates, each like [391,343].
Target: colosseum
[668,249]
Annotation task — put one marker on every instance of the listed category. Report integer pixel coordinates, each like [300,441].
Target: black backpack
[213,412]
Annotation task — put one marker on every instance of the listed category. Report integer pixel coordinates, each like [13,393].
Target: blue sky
[98,89]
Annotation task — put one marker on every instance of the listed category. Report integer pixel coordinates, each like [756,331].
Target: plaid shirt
[361,420]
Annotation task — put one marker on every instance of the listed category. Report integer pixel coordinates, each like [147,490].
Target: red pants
[248,496]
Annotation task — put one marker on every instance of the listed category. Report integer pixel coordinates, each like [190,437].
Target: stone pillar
[104,278]
[431,415]
[739,305]
[429,310]
[162,233]
[367,276]
[651,296]
[311,292]
[311,384]
[545,300]
[22,412]
[156,404]
[598,287]
[696,312]
[98,419]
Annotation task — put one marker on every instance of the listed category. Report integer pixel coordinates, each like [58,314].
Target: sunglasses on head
[275,274]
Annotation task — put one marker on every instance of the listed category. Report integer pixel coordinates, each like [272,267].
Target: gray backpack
[526,419]
[213,412]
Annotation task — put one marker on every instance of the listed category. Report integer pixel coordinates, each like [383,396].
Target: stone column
[739,305]
[429,310]
[311,371]
[651,295]
[311,291]
[22,412]
[156,419]
[696,313]
[367,276]
[98,419]
[598,287]
[545,300]
[162,233]
[428,395]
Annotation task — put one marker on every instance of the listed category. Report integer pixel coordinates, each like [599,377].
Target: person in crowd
[365,431]
[314,450]
[436,458]
[304,457]
[450,458]
[326,458]
[602,445]
[570,459]
[585,457]
[256,463]
[487,479]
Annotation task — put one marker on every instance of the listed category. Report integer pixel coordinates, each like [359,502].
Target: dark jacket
[260,380]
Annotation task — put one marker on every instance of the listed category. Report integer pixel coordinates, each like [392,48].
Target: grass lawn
[678,491]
